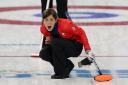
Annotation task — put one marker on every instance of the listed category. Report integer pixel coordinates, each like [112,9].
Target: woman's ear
[56,19]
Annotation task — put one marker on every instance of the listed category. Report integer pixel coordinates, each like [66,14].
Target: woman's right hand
[48,40]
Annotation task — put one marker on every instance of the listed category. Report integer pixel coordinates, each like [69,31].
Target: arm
[77,31]
[84,39]
[82,34]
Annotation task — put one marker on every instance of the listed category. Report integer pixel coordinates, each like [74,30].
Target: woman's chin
[49,29]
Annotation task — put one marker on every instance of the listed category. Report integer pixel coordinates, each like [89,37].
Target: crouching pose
[63,40]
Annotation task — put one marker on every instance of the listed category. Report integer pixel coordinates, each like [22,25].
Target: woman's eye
[46,19]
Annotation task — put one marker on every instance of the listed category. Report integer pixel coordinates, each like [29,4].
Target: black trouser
[44,3]
[61,7]
[58,53]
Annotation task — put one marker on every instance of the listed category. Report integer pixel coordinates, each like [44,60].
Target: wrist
[87,51]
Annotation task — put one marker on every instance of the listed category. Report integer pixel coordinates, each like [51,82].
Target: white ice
[19,42]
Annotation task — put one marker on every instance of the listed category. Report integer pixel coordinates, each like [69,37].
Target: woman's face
[49,22]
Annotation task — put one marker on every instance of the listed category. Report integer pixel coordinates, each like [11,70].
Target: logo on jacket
[63,34]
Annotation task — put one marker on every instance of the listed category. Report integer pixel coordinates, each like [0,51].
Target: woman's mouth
[49,27]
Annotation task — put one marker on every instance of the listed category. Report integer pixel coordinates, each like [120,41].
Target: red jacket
[69,30]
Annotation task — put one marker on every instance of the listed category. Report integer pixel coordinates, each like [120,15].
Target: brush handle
[99,71]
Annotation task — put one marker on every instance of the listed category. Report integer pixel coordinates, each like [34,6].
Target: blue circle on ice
[87,15]
[23,75]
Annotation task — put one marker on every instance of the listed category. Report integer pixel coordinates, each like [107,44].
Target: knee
[45,53]
[42,54]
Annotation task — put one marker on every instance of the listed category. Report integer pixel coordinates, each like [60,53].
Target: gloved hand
[85,61]
[88,60]
[90,54]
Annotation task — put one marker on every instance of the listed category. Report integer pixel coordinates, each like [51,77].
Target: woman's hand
[48,40]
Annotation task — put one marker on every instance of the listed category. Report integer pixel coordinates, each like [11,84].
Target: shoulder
[44,31]
[42,28]
[64,21]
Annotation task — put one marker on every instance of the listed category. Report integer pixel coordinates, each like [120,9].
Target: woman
[63,40]
[62,9]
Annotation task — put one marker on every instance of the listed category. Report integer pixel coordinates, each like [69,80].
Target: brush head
[103,77]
